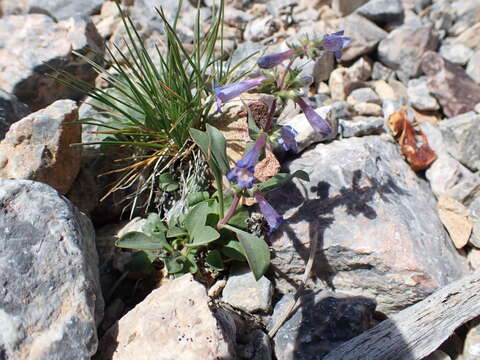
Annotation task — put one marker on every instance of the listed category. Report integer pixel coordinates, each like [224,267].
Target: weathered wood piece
[418,330]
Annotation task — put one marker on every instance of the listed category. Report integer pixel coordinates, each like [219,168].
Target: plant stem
[221,210]
[230,213]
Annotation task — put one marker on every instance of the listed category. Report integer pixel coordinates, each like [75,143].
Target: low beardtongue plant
[213,227]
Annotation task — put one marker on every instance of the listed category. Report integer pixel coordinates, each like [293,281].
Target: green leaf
[196,217]
[256,251]
[214,260]
[174,264]
[154,224]
[203,236]
[281,179]
[140,241]
[174,232]
[197,197]
[201,139]
[140,262]
[166,183]
[218,146]
[234,250]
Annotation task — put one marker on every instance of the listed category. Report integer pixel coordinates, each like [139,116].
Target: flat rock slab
[29,42]
[173,322]
[38,147]
[378,231]
[50,298]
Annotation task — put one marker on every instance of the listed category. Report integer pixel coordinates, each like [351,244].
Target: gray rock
[419,95]
[376,222]
[475,216]
[38,147]
[473,67]
[467,15]
[258,347]
[460,135]
[323,67]
[368,109]
[51,297]
[345,7]
[363,95]
[471,349]
[419,5]
[381,72]
[246,50]
[442,15]
[403,48]
[30,42]
[382,11]
[456,92]
[361,126]
[365,36]
[245,293]
[11,110]
[281,7]
[456,53]
[59,10]
[322,321]
[173,319]
[261,28]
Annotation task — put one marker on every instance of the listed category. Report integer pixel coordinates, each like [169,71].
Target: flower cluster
[287,86]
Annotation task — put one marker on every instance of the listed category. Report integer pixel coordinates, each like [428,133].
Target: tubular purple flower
[335,43]
[228,92]
[270,61]
[318,123]
[288,138]
[274,219]
[306,80]
[243,171]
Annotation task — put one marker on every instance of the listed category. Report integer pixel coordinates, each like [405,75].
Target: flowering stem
[219,183]
[230,213]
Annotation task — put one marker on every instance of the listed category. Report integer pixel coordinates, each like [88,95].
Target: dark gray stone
[382,11]
[376,223]
[11,110]
[419,95]
[403,48]
[322,321]
[460,135]
[345,7]
[381,72]
[363,95]
[50,297]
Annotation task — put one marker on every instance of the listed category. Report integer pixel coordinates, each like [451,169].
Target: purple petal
[288,140]
[335,42]
[270,61]
[318,123]
[228,92]
[273,219]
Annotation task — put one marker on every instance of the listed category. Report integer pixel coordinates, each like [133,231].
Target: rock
[419,95]
[456,53]
[361,126]
[341,79]
[59,10]
[38,147]
[474,258]
[381,72]
[474,208]
[438,355]
[384,90]
[403,48]
[470,37]
[366,95]
[367,211]
[382,11]
[245,293]
[258,347]
[455,218]
[468,14]
[460,134]
[28,43]
[365,36]
[471,349]
[11,110]
[51,298]
[246,50]
[473,67]
[261,28]
[453,88]
[368,109]
[323,67]
[345,7]
[173,319]
[322,321]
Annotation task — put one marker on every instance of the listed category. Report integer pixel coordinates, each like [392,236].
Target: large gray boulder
[58,9]
[50,298]
[376,222]
[30,45]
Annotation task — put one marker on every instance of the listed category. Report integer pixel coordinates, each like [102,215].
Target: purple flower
[274,219]
[243,171]
[270,61]
[316,121]
[228,92]
[335,43]
[288,138]
[306,80]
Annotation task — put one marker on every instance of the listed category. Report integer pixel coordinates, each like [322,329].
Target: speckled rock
[376,222]
[11,110]
[38,147]
[50,296]
[382,11]
[361,126]
[419,95]
[173,320]
[29,42]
